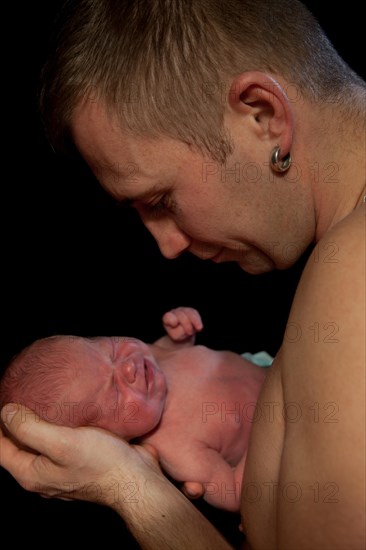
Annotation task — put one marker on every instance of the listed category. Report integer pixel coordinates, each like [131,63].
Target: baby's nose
[127,370]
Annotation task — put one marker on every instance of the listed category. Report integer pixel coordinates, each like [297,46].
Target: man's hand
[182,323]
[94,465]
[72,463]
[193,489]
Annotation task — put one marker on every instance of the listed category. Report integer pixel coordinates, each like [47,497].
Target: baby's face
[118,385]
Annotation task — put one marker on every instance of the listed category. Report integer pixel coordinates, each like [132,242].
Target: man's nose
[171,240]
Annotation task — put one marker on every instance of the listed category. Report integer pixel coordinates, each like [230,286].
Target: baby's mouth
[146,376]
[149,372]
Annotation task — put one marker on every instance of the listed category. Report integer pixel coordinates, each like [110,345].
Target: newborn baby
[194,405]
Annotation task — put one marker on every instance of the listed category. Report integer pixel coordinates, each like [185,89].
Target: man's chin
[257,265]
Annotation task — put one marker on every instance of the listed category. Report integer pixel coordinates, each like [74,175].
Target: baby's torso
[211,402]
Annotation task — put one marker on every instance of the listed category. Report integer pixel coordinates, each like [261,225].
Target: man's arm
[86,464]
[164,518]
[181,325]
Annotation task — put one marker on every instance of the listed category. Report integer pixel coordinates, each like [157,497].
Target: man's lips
[227,255]
[222,256]
[216,258]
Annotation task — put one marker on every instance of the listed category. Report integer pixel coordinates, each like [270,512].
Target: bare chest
[262,467]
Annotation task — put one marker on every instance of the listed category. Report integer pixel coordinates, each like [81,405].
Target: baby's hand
[182,323]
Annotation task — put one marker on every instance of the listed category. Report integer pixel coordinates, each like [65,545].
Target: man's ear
[258,95]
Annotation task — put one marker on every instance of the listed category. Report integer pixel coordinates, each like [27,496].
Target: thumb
[8,412]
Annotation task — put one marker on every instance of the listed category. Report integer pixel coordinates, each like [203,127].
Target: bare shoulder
[323,352]
[322,361]
[329,305]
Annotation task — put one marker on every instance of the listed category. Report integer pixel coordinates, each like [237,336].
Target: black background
[73,263]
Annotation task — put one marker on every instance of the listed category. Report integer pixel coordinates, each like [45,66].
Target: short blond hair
[163,66]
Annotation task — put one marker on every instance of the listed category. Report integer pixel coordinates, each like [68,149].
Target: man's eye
[161,207]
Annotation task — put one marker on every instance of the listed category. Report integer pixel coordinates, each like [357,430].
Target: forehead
[79,350]
[89,361]
[124,164]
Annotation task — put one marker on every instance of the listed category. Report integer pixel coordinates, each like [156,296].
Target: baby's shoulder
[193,359]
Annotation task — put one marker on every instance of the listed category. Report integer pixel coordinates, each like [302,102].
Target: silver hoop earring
[280,165]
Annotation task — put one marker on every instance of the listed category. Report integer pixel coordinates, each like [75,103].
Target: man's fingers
[26,427]
[193,489]
[15,460]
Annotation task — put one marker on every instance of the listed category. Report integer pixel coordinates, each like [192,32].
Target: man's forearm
[159,516]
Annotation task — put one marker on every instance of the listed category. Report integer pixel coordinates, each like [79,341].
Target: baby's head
[113,383]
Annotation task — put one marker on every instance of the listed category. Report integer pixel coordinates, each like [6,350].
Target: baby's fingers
[185,322]
[189,319]
[195,318]
[170,319]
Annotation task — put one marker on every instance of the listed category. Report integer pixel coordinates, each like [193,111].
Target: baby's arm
[204,465]
[181,325]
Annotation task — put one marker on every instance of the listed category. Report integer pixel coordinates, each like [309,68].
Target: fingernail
[7,413]
[191,493]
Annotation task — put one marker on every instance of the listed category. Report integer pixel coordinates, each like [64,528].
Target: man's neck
[339,170]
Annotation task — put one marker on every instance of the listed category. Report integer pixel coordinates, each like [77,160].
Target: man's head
[113,383]
[165,67]
[181,103]
[191,203]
